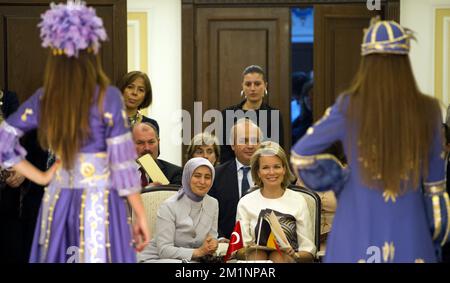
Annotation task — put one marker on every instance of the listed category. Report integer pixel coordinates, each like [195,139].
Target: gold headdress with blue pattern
[386,37]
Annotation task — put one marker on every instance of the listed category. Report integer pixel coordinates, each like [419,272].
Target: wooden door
[22,59]
[338,33]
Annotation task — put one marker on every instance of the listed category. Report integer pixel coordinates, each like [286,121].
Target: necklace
[135,119]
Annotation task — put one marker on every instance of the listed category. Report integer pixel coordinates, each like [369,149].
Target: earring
[242,93]
[265,92]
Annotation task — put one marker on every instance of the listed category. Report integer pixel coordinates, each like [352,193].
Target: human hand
[47,176]
[15,179]
[211,244]
[141,233]
[290,251]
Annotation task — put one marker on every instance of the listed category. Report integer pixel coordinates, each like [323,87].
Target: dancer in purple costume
[83,216]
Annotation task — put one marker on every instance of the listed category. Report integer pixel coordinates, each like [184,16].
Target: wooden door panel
[22,59]
[338,31]
[228,40]
[24,55]
[244,47]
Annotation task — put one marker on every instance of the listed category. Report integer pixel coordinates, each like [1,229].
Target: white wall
[418,15]
[164,64]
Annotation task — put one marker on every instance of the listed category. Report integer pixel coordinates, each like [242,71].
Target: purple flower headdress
[69,28]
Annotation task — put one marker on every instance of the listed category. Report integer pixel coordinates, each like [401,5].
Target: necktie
[245,185]
[144,181]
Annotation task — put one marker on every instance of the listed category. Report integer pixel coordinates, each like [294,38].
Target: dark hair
[298,81]
[131,77]
[254,69]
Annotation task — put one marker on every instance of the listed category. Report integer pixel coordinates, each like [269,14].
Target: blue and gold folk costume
[373,225]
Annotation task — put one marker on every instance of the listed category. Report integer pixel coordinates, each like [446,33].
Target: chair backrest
[152,197]
[314,206]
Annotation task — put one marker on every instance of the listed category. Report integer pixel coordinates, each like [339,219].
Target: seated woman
[137,94]
[271,173]
[186,225]
[204,145]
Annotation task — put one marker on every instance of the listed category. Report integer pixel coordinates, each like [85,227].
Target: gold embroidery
[388,195]
[386,248]
[109,116]
[447,204]
[433,190]
[83,205]
[324,117]
[58,174]
[49,222]
[125,119]
[26,113]
[87,169]
[388,251]
[419,260]
[362,261]
[101,155]
[310,131]
[392,252]
[107,240]
[437,216]
[305,160]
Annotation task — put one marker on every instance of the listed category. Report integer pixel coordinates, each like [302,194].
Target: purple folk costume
[371,225]
[83,216]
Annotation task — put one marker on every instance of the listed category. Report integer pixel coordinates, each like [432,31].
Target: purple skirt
[61,230]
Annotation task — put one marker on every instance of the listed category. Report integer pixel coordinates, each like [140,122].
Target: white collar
[239,165]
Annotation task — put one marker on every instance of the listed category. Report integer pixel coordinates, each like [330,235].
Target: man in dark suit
[233,178]
[147,141]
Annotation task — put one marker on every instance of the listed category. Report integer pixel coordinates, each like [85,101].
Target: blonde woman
[271,173]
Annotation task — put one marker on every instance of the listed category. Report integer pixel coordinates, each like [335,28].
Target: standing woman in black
[254,89]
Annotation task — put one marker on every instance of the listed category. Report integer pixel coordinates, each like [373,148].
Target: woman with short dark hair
[137,95]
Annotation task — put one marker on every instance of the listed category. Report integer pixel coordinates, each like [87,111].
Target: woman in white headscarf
[186,225]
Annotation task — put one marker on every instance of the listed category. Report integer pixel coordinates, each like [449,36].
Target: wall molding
[441,53]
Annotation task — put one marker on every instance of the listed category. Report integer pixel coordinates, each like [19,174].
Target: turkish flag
[236,242]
